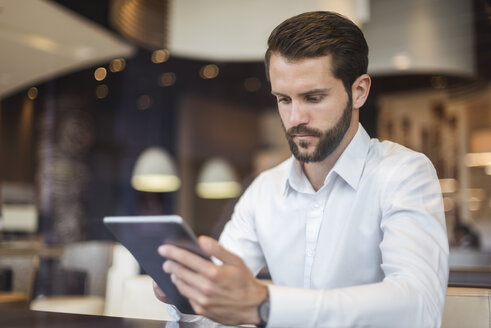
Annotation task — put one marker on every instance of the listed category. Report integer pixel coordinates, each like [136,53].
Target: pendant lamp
[218,180]
[155,171]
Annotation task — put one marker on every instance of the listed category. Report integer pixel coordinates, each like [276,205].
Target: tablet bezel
[142,235]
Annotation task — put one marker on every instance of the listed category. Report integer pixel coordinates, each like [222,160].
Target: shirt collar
[351,163]
[349,166]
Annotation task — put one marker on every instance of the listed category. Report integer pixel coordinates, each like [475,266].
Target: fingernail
[166,266]
[162,250]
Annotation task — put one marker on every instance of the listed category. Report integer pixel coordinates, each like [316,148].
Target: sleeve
[239,235]
[414,252]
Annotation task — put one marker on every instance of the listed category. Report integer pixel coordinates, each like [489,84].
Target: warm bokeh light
[100,73]
[401,62]
[101,91]
[32,93]
[448,204]
[438,82]
[448,185]
[218,190]
[209,71]
[252,84]
[167,79]
[156,182]
[117,65]
[144,102]
[474,204]
[160,56]
[478,159]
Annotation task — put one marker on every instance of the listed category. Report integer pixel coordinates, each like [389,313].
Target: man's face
[314,106]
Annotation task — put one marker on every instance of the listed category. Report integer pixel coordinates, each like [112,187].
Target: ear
[360,90]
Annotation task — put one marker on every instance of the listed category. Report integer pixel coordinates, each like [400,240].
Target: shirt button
[316,205]
[310,253]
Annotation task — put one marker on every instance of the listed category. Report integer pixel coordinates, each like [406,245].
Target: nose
[298,114]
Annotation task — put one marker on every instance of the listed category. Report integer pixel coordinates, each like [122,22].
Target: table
[22,318]
[12,299]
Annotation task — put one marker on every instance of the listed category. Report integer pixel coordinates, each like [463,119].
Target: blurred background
[96,95]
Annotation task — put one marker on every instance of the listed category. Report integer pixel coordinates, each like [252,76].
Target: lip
[303,136]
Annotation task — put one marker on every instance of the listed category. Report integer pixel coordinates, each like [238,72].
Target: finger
[188,291]
[191,278]
[212,248]
[197,298]
[159,293]
[186,258]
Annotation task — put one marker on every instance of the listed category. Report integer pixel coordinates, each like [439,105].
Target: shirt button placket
[313,217]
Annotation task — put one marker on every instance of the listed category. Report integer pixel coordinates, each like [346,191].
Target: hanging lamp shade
[154,171]
[217,180]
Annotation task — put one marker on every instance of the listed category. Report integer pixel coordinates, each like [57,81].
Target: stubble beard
[329,140]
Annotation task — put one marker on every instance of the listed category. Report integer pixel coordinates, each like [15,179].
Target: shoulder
[391,166]
[270,181]
[388,156]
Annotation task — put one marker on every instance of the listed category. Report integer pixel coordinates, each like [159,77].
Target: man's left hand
[228,294]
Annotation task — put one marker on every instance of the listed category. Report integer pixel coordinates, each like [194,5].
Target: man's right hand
[160,294]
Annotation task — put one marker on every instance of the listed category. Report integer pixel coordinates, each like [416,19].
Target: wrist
[263,310]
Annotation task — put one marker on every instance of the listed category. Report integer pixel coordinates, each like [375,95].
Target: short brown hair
[321,33]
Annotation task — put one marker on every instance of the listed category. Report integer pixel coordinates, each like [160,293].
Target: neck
[317,172]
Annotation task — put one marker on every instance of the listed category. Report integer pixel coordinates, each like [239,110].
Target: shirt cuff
[177,315]
[292,307]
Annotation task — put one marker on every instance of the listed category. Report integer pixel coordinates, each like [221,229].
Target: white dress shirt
[368,249]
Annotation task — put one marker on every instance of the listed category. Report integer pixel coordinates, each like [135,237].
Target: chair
[467,307]
[139,301]
[57,289]
[123,267]
[5,279]
[52,280]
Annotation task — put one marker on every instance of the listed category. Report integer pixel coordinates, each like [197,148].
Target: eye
[314,98]
[284,100]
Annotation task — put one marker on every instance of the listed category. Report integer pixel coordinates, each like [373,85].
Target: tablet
[142,235]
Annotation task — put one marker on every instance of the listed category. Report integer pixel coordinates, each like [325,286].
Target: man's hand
[160,294]
[228,294]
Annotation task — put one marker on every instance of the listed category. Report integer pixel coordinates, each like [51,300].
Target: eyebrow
[309,92]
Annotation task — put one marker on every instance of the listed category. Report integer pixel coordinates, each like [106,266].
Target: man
[351,229]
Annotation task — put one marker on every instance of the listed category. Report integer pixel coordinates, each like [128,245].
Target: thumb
[211,247]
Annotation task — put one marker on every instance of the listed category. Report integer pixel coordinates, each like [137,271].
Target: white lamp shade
[218,180]
[154,171]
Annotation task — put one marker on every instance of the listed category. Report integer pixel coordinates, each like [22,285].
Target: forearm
[385,304]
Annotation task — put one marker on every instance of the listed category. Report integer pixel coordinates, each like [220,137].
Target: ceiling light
[167,79]
[100,74]
[32,93]
[155,171]
[252,84]
[160,56]
[217,180]
[144,102]
[101,91]
[401,62]
[117,65]
[209,71]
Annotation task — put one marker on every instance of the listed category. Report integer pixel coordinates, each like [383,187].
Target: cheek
[283,116]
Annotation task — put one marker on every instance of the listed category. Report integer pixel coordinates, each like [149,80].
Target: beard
[329,140]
